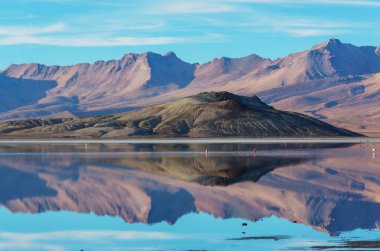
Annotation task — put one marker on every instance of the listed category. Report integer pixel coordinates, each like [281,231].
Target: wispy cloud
[18,17]
[31,30]
[294,22]
[255,21]
[88,235]
[52,241]
[211,5]
[302,2]
[190,7]
[117,24]
[313,32]
[306,27]
[47,1]
[129,23]
[60,34]
[83,41]
[291,25]
[349,2]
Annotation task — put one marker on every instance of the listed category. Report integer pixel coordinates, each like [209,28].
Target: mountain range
[333,81]
[208,114]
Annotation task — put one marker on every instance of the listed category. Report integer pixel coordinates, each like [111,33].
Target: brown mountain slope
[213,114]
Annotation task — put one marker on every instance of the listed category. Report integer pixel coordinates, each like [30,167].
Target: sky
[66,32]
[60,231]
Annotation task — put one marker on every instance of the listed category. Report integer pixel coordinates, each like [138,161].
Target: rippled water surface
[189,197]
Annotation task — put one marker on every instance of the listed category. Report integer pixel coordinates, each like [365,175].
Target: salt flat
[193,141]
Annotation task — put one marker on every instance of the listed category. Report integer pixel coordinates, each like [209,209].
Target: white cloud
[228,5]
[303,2]
[349,2]
[91,40]
[60,34]
[49,240]
[15,17]
[117,24]
[279,22]
[88,235]
[190,7]
[294,26]
[303,27]
[19,245]
[47,1]
[152,24]
[312,32]
[31,30]
[258,21]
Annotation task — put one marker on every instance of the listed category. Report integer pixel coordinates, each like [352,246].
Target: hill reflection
[331,188]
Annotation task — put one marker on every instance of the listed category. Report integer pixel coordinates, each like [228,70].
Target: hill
[213,114]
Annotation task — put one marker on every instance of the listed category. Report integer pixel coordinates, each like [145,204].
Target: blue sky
[72,31]
[60,231]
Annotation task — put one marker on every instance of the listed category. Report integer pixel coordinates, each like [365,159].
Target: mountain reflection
[331,188]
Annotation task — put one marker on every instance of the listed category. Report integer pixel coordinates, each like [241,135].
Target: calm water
[177,197]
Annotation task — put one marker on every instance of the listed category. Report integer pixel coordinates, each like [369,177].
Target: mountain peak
[331,43]
[334,41]
[170,54]
[253,56]
[148,54]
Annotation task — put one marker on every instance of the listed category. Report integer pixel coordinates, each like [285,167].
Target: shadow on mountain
[355,214]
[16,92]
[15,184]
[162,205]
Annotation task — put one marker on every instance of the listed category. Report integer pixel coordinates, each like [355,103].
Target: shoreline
[344,140]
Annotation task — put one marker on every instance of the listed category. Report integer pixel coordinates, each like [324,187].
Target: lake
[113,196]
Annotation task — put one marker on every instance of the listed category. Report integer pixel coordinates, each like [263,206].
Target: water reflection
[333,188]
